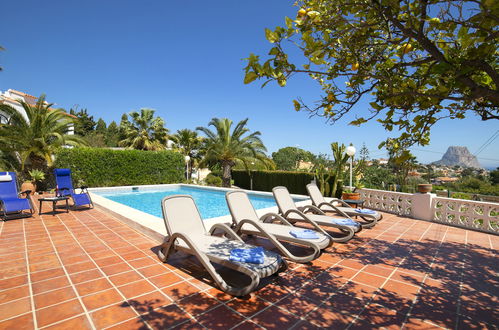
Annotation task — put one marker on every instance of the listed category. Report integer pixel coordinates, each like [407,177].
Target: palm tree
[145,132]
[36,136]
[225,147]
[188,143]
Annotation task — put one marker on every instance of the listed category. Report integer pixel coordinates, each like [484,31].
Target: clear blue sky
[184,59]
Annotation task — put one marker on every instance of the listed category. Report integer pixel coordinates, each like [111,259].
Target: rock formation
[458,156]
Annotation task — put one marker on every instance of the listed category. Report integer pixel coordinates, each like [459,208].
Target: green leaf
[271,36]
[376,106]
[289,22]
[249,77]
[297,105]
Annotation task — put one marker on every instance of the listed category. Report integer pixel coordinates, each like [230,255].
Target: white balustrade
[482,216]
[387,201]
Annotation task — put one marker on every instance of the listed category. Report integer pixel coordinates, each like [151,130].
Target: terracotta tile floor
[87,269]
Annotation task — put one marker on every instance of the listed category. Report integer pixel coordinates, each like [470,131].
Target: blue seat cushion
[16,204]
[81,199]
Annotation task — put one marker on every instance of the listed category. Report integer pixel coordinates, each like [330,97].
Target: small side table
[355,202]
[54,201]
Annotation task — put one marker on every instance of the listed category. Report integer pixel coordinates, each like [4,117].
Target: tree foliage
[287,159]
[144,132]
[224,146]
[85,123]
[37,136]
[188,143]
[416,62]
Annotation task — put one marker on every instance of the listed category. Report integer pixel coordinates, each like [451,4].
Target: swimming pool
[211,202]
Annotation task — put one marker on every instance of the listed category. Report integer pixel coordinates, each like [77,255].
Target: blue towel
[345,222]
[254,255]
[304,233]
[365,211]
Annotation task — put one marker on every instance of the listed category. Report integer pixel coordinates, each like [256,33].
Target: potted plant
[350,194]
[425,188]
[35,176]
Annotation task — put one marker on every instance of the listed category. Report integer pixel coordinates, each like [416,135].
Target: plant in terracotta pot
[425,188]
[35,176]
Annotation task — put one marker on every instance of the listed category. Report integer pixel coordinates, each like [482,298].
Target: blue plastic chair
[64,187]
[11,206]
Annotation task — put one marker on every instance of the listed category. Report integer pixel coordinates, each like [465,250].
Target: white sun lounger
[246,221]
[186,233]
[341,207]
[292,213]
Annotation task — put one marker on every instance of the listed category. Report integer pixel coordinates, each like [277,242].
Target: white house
[12,97]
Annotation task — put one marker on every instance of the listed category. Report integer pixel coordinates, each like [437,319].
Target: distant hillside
[458,156]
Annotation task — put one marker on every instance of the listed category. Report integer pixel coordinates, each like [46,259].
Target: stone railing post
[422,206]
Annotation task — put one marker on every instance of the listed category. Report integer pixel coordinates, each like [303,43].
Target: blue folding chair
[11,206]
[64,187]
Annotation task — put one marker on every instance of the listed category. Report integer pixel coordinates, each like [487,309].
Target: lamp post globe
[351,151]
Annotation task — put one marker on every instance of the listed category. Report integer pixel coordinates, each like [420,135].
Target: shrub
[98,167]
[213,180]
[460,195]
[296,182]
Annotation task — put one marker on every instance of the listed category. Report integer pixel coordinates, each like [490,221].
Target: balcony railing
[481,216]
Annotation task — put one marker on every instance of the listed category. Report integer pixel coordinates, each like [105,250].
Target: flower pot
[29,186]
[354,196]
[350,196]
[425,188]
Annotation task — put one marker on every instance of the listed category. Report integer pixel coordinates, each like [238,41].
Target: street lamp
[187,159]
[350,152]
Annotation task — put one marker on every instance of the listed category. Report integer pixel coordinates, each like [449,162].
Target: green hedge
[296,182]
[99,167]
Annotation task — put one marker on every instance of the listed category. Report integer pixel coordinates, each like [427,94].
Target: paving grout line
[67,274]
[458,308]
[271,304]
[98,268]
[384,282]
[303,318]
[32,300]
[146,278]
[408,314]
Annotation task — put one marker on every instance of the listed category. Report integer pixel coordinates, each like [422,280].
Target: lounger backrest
[182,215]
[315,194]
[240,206]
[63,180]
[8,186]
[283,199]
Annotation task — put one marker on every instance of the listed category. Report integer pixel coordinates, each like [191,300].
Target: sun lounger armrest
[271,217]
[226,229]
[341,201]
[58,191]
[26,192]
[312,208]
[84,189]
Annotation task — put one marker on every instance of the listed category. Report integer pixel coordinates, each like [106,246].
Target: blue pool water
[211,203]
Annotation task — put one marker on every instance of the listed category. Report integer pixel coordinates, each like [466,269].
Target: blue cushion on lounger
[16,204]
[345,222]
[304,233]
[365,211]
[254,255]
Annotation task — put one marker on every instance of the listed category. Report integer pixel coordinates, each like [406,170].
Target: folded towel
[5,178]
[345,222]
[254,255]
[365,211]
[304,233]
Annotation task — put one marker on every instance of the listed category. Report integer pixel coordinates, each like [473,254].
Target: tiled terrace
[87,269]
